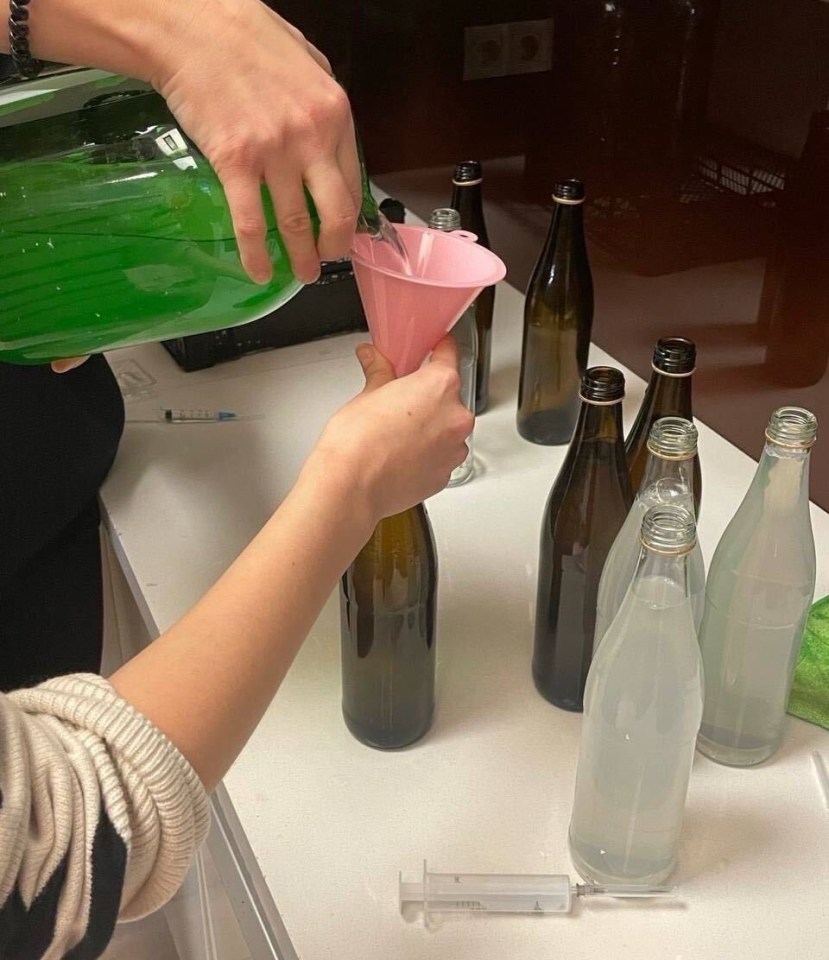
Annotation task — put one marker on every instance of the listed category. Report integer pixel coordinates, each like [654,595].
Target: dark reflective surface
[688,121]
[708,212]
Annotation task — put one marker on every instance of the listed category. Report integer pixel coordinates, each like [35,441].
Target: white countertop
[489,789]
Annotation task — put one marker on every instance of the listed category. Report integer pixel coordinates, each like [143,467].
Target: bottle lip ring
[600,403]
[668,373]
[669,456]
[567,202]
[682,551]
[467,183]
[779,441]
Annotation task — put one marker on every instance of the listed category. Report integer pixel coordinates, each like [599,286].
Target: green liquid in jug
[114,229]
[99,255]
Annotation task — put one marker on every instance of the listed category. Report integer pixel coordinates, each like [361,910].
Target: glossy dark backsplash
[688,119]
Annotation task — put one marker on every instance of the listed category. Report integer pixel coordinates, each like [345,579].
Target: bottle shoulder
[591,501]
[764,548]
[410,530]
[639,682]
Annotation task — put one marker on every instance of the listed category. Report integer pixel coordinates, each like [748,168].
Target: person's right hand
[260,103]
[398,441]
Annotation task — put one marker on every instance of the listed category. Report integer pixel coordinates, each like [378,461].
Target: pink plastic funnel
[408,315]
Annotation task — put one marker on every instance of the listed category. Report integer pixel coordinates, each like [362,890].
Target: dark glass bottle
[667,84]
[797,349]
[586,99]
[387,621]
[585,511]
[393,210]
[669,394]
[558,318]
[794,210]
[467,200]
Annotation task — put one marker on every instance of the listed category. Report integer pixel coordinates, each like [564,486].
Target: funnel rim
[499,269]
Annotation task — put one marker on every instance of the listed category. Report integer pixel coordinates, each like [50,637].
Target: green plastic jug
[114,229]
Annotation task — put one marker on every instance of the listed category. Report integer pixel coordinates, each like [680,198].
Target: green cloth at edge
[810,691]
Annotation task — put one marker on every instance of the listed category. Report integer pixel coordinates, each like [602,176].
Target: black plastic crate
[330,306]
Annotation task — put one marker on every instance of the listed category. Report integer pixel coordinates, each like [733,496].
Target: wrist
[335,484]
[120,35]
[193,28]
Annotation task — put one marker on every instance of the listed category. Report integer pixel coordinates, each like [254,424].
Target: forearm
[124,36]
[207,681]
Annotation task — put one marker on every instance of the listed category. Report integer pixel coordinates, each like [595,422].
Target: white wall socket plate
[506,49]
[530,46]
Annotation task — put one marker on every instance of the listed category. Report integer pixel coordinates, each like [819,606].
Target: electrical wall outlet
[485,51]
[530,46]
[505,49]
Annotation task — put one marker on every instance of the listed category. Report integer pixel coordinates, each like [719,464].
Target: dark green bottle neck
[598,422]
[369,209]
[598,439]
[468,201]
[668,396]
[816,148]
[565,238]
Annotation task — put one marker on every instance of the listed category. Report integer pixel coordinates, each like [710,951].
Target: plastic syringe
[169,415]
[510,893]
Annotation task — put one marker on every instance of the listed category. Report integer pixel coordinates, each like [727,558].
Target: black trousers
[51,610]
[58,438]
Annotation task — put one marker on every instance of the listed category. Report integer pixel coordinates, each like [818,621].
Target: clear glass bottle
[642,710]
[586,508]
[669,394]
[388,604]
[467,199]
[757,599]
[668,479]
[465,333]
[558,319]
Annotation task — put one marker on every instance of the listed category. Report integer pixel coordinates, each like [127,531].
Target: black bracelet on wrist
[25,64]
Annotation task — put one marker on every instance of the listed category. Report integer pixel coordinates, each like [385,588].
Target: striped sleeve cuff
[149,790]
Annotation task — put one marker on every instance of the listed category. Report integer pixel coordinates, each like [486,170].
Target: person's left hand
[397,442]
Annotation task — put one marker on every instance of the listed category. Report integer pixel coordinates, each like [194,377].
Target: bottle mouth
[675,355]
[669,530]
[445,218]
[602,385]
[792,427]
[468,173]
[673,438]
[569,191]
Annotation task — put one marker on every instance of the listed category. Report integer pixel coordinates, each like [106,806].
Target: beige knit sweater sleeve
[99,817]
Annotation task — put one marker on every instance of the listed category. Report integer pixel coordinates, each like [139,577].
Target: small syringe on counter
[170,415]
[510,893]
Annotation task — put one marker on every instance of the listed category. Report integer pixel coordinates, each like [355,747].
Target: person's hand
[260,103]
[70,363]
[398,441]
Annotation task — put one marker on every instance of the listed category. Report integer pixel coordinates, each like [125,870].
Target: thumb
[445,353]
[64,366]
[377,369]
